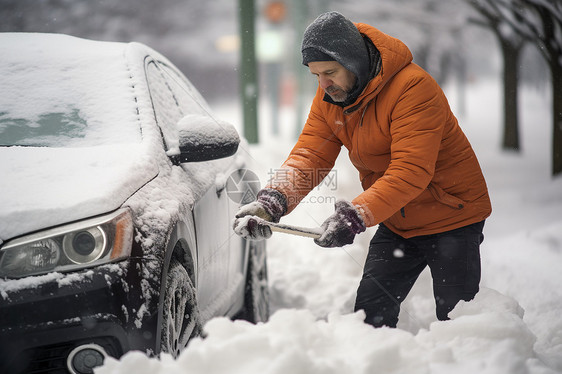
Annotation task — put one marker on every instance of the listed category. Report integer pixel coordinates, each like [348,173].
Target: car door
[212,223]
[176,98]
[242,186]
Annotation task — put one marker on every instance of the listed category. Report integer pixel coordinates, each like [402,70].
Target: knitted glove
[270,205]
[342,226]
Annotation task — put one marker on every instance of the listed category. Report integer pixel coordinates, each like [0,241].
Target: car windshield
[57,129]
[59,95]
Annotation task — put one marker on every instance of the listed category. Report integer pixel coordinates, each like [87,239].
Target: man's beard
[337,93]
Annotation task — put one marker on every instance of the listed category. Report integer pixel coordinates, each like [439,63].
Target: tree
[493,16]
[540,22]
[434,30]
[430,28]
[545,26]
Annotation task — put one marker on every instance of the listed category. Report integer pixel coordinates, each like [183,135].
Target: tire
[180,320]
[256,298]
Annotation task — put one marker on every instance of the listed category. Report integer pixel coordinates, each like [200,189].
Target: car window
[189,98]
[173,97]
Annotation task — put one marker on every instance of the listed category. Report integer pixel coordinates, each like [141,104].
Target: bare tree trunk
[556,71]
[545,29]
[511,55]
[511,45]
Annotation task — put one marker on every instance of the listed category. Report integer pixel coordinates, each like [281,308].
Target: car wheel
[180,313]
[256,299]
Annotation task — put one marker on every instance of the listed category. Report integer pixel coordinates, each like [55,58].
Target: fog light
[83,359]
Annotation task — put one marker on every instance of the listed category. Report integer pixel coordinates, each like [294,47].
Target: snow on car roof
[75,80]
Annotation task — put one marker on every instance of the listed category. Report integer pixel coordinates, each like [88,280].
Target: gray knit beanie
[333,37]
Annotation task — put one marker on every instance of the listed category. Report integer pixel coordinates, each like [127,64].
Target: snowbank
[487,335]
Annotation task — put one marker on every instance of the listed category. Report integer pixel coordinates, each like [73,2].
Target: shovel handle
[314,233]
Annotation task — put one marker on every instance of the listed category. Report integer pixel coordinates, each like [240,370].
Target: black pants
[394,263]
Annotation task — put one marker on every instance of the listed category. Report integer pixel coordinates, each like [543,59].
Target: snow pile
[318,279]
[486,336]
[527,266]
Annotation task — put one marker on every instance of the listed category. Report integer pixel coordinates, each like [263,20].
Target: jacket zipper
[357,137]
[363,114]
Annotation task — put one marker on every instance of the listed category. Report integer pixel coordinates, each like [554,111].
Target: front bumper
[45,317]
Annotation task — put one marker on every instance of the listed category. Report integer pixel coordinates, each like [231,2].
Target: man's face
[334,79]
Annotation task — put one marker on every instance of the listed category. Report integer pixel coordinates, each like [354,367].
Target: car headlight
[66,248]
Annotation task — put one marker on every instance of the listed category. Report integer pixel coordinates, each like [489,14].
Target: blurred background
[244,55]
[202,39]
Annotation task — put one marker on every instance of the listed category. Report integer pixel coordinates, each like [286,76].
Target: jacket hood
[333,37]
[394,54]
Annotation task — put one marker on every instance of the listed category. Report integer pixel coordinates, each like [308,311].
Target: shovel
[308,232]
[314,233]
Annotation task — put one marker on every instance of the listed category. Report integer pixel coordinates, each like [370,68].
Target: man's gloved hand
[270,206]
[342,226]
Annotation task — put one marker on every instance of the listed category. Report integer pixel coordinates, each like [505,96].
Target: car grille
[52,359]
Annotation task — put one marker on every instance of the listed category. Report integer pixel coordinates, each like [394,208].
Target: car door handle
[220,184]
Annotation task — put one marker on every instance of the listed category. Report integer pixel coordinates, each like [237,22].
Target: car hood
[45,187]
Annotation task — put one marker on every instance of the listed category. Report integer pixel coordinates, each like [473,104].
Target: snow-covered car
[115,223]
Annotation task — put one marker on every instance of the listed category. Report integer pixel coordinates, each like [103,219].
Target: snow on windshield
[60,91]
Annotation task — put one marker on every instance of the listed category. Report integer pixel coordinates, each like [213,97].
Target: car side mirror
[202,138]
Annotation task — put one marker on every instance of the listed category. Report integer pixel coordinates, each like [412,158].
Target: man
[422,182]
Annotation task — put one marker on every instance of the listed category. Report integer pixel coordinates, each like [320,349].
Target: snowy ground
[514,325]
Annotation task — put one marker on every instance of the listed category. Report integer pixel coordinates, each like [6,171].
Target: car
[117,191]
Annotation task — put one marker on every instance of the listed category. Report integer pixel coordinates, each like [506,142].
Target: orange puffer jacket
[419,173]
